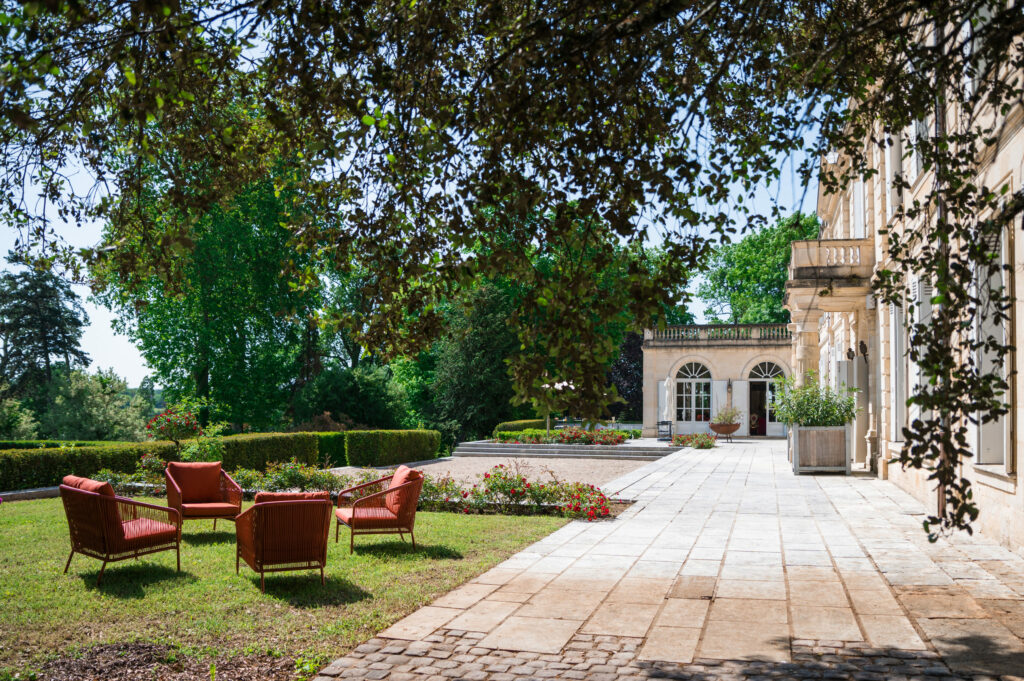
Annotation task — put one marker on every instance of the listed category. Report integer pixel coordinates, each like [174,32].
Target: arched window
[767,372]
[693,393]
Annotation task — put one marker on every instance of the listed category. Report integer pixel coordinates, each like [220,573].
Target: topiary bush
[524,424]
[259,450]
[45,467]
[390,447]
[331,446]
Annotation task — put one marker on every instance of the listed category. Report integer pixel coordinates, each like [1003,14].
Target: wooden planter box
[822,449]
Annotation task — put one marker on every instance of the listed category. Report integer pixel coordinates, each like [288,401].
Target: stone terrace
[727,567]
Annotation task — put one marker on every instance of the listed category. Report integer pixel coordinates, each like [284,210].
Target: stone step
[487,448]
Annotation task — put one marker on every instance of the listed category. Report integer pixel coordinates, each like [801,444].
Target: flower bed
[564,436]
[501,490]
[695,440]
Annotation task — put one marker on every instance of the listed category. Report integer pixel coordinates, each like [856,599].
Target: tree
[16,422]
[472,390]
[411,117]
[85,406]
[235,333]
[41,323]
[627,375]
[366,394]
[745,282]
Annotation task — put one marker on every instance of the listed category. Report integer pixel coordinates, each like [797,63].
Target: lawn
[206,610]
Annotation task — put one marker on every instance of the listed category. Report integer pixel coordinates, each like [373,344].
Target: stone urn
[724,429]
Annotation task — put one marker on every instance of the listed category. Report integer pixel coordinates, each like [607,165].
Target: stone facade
[692,372]
[841,332]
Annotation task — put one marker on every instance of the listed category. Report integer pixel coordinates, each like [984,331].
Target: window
[693,393]
[992,436]
[893,176]
[768,372]
[897,372]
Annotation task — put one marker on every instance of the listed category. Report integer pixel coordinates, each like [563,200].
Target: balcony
[829,275]
[832,259]
[717,334]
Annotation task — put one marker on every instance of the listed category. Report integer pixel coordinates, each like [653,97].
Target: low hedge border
[390,447]
[515,426]
[26,467]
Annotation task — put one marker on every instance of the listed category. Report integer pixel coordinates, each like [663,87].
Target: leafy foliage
[695,440]
[98,407]
[657,117]
[174,424]
[627,375]
[16,422]
[745,282]
[811,404]
[41,322]
[727,415]
[564,436]
[364,395]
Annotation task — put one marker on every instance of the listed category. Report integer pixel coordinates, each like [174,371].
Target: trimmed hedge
[515,426]
[390,447]
[44,467]
[257,450]
[332,448]
[40,444]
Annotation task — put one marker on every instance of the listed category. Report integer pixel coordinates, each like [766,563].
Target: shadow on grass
[199,538]
[398,550]
[302,589]
[129,579]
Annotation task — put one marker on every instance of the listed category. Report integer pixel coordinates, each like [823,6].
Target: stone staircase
[624,451]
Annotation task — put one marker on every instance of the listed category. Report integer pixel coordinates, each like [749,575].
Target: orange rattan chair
[201,490]
[112,528]
[391,510]
[284,531]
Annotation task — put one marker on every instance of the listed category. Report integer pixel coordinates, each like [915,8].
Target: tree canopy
[745,282]
[406,119]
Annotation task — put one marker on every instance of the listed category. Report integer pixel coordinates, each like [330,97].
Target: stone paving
[727,567]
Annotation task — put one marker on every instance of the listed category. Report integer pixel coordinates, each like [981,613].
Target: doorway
[758,408]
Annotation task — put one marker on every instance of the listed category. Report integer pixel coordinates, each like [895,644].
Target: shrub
[46,444]
[174,425]
[44,467]
[504,490]
[331,447]
[390,447]
[514,426]
[814,405]
[727,416]
[565,436]
[288,476]
[695,440]
[259,450]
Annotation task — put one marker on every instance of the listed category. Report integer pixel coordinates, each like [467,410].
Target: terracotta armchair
[112,528]
[284,531]
[385,506]
[202,490]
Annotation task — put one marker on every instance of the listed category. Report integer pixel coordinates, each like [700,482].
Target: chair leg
[214,524]
[413,540]
[68,564]
[322,581]
[263,585]
[236,561]
[337,529]
[100,577]
[351,541]
[177,550]
[401,536]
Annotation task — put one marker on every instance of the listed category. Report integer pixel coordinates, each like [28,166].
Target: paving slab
[727,566]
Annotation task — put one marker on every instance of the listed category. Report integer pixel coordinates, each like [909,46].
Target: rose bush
[695,440]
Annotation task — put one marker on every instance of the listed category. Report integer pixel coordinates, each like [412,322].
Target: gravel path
[469,468]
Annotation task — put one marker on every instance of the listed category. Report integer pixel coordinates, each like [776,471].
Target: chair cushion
[146,532]
[199,481]
[395,502]
[370,517]
[88,485]
[262,497]
[209,510]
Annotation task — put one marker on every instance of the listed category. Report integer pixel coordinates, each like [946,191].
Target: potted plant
[818,417]
[726,422]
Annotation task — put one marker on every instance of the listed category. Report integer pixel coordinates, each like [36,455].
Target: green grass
[207,609]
